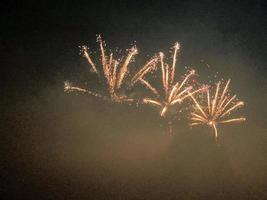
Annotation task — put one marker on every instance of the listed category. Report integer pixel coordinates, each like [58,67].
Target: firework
[172,92]
[113,71]
[217,110]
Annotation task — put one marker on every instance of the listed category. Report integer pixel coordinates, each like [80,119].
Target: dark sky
[59,146]
[43,33]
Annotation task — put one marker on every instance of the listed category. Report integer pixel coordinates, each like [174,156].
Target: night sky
[71,146]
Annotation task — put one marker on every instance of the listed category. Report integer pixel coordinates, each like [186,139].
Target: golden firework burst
[217,110]
[113,70]
[172,92]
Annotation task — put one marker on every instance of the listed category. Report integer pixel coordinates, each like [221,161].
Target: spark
[69,88]
[217,110]
[148,67]
[172,92]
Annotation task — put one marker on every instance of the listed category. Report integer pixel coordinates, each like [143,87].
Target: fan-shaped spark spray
[217,110]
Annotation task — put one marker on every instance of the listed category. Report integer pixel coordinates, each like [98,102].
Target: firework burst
[113,71]
[172,92]
[217,110]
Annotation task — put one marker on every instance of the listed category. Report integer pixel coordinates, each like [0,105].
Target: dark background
[67,146]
